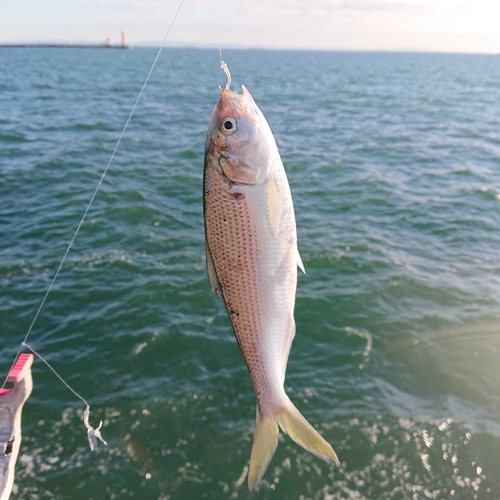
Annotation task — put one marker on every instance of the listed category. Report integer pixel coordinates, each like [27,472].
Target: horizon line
[201,45]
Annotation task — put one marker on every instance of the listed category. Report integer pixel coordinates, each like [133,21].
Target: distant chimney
[124,42]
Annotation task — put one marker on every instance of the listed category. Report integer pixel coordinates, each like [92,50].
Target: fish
[252,259]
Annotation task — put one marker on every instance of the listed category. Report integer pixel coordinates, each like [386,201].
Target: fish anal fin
[212,275]
[265,442]
[300,264]
[303,433]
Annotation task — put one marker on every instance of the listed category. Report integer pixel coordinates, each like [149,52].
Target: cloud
[305,9]
[478,17]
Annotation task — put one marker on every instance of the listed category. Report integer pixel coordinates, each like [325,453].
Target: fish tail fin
[297,427]
[265,442]
[303,433]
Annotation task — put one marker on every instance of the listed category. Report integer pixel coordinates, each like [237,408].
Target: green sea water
[394,165]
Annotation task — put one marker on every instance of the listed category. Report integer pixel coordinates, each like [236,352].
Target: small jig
[92,434]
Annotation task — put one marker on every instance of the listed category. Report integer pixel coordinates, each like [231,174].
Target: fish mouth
[236,105]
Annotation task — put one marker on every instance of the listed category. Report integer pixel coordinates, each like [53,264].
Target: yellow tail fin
[297,427]
[265,442]
[302,432]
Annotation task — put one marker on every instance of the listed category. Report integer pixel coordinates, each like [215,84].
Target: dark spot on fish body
[237,196]
[8,448]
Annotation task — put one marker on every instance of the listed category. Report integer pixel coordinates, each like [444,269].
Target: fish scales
[241,258]
[252,259]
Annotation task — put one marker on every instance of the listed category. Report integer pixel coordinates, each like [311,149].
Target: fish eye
[227,126]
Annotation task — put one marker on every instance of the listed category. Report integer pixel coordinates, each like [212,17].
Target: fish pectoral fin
[276,204]
[303,433]
[265,442]
[300,264]
[212,275]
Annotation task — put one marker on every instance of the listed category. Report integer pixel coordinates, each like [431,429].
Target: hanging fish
[252,259]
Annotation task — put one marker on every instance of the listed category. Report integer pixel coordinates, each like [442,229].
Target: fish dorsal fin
[300,264]
[275,198]
[212,275]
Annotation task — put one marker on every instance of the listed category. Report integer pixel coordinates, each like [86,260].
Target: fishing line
[93,434]
[223,65]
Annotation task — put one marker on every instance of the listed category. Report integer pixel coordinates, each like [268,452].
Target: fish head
[240,138]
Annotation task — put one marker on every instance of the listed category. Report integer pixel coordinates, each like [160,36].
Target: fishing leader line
[93,434]
[223,65]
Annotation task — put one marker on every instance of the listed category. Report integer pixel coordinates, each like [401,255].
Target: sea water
[394,165]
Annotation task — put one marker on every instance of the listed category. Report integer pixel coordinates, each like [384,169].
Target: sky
[466,26]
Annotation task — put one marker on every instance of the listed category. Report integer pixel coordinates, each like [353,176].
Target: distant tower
[124,42]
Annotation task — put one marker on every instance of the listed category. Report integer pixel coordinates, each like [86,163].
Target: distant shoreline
[63,46]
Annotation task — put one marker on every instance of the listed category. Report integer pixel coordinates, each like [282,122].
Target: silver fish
[252,259]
